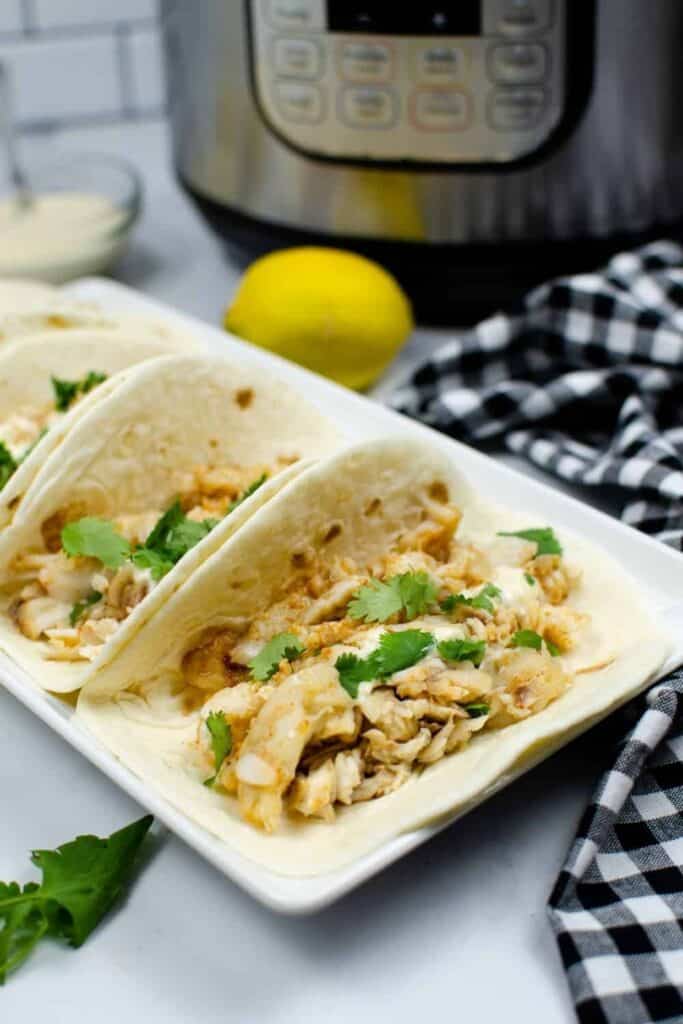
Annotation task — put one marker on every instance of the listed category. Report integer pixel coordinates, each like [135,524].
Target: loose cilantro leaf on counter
[462,650]
[396,651]
[484,599]
[81,881]
[67,391]
[82,606]
[477,709]
[279,647]
[171,538]
[247,493]
[221,741]
[95,538]
[527,638]
[530,579]
[377,601]
[544,538]
[8,464]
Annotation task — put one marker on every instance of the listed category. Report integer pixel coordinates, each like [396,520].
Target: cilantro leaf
[171,538]
[402,649]
[81,881]
[8,464]
[527,638]
[95,538]
[81,606]
[221,741]
[67,391]
[279,647]
[246,493]
[531,580]
[354,670]
[377,601]
[544,538]
[395,652]
[477,709]
[553,649]
[483,600]
[462,650]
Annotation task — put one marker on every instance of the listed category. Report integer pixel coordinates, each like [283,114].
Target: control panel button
[368,107]
[440,110]
[299,101]
[518,17]
[516,109]
[518,63]
[294,15]
[297,58]
[440,63]
[366,61]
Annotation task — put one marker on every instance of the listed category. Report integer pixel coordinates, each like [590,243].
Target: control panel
[470,81]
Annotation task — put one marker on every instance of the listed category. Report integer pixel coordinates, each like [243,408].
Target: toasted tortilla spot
[334,531]
[244,397]
[373,508]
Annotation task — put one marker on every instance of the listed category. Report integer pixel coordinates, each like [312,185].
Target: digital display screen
[405,17]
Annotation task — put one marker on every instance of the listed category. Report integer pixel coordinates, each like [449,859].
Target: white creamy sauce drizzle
[56,229]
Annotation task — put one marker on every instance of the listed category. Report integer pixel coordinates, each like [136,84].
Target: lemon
[333,311]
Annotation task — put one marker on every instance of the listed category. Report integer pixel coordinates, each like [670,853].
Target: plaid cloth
[585,378]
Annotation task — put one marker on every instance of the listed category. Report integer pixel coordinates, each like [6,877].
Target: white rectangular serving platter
[657,569]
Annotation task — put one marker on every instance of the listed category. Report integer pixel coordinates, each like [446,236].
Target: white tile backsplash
[65,13]
[145,69]
[64,79]
[10,16]
[82,60]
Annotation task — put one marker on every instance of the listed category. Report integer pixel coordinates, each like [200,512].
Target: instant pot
[474,147]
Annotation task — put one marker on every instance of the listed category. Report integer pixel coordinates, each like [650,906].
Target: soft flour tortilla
[30,307]
[26,368]
[126,456]
[152,734]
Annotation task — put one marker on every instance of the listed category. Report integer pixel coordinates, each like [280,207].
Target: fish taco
[375,649]
[143,487]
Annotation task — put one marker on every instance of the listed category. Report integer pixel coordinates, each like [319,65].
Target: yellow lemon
[335,312]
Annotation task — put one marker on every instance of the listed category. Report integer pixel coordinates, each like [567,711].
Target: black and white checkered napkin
[585,378]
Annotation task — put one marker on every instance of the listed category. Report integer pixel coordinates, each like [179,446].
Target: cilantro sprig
[246,493]
[395,652]
[221,741]
[171,538]
[411,593]
[530,638]
[92,537]
[8,464]
[462,650]
[81,881]
[82,606]
[544,538]
[280,647]
[477,709]
[67,391]
[483,600]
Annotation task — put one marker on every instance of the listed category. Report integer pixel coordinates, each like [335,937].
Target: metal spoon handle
[16,173]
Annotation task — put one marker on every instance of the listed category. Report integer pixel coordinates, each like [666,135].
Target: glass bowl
[84,207]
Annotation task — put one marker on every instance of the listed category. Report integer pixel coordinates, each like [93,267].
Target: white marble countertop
[456,930]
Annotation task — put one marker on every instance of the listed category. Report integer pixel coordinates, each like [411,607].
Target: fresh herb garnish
[553,649]
[477,709]
[530,579]
[483,600]
[527,638]
[67,391]
[462,650]
[281,646]
[172,537]
[396,651]
[544,538]
[82,606]
[8,464]
[247,493]
[221,741]
[81,881]
[95,538]
[377,601]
